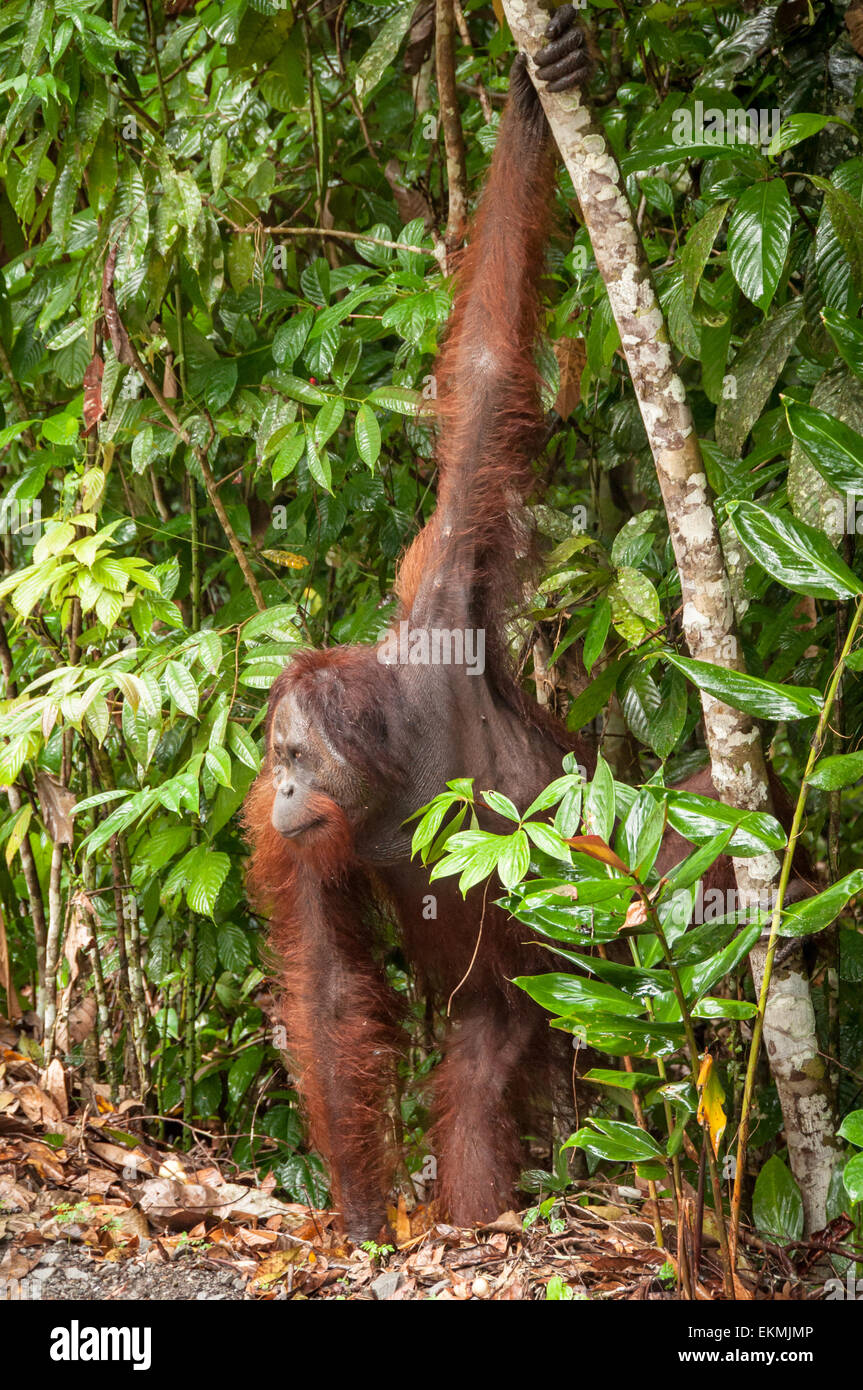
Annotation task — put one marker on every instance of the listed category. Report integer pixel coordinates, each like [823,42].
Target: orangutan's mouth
[303,829]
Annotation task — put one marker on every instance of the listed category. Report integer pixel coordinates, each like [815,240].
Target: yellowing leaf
[19,830]
[711,1099]
[286,558]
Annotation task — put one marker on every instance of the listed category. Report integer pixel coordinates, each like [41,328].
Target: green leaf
[635,608]
[852,1178]
[834,448]
[814,914]
[847,334]
[625,1080]
[514,862]
[752,376]
[594,638]
[845,215]
[218,161]
[595,696]
[218,761]
[235,952]
[699,818]
[288,456]
[698,979]
[181,686]
[319,463]
[399,399]
[220,382]
[776,1203]
[572,995]
[61,429]
[243,1071]
[368,435]
[841,770]
[501,804]
[381,52]
[724,1008]
[702,942]
[290,337]
[699,244]
[617,1142]
[759,235]
[851,1128]
[641,833]
[762,698]
[327,420]
[209,871]
[800,126]
[797,555]
[599,804]
[546,839]
[691,869]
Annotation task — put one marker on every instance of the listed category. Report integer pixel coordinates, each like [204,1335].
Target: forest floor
[92,1210]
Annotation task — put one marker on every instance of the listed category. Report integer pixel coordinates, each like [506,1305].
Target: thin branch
[456,160]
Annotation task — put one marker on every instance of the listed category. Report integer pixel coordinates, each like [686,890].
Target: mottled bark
[456,162]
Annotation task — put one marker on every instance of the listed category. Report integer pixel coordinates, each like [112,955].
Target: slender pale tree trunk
[733,738]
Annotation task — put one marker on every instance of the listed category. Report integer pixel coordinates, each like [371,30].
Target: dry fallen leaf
[54,1081]
[56,802]
[173,1203]
[38,1105]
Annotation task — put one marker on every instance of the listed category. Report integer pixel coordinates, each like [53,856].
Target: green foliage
[296,367]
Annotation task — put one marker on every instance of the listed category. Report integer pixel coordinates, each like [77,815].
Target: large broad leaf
[847,334]
[842,770]
[690,869]
[797,555]
[703,942]
[381,52]
[835,449]
[776,1203]
[571,995]
[760,698]
[758,238]
[632,979]
[641,833]
[699,244]
[698,979]
[619,1142]
[208,872]
[599,807]
[814,914]
[182,687]
[619,1037]
[852,1178]
[671,153]
[699,818]
[800,126]
[851,1128]
[624,1080]
[753,374]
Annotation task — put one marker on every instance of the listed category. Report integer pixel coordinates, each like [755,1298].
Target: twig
[815,748]
[456,161]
